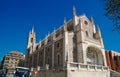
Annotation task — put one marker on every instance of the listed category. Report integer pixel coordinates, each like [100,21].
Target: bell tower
[30,48]
[31,38]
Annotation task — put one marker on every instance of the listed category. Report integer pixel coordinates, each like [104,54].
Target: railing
[80,66]
[76,66]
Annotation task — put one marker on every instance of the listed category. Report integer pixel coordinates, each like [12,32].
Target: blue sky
[18,16]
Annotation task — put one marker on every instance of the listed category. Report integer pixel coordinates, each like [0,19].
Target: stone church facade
[76,45]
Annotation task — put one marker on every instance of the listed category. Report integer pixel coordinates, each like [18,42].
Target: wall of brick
[113,60]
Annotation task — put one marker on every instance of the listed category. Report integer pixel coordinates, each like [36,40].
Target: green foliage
[21,63]
[112,8]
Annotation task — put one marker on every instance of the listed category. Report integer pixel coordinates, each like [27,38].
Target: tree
[0,65]
[21,63]
[112,8]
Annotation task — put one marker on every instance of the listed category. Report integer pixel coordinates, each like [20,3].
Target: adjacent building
[1,65]
[113,60]
[11,60]
[76,48]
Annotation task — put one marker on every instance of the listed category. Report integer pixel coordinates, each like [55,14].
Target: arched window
[31,40]
[87,33]
[58,59]
[94,56]
[85,22]
[58,45]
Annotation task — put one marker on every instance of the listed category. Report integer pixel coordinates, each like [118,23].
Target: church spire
[99,32]
[100,37]
[33,29]
[93,25]
[75,18]
[31,38]
[92,20]
[74,11]
[65,25]
[64,20]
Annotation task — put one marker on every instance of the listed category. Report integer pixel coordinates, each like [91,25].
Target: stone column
[44,58]
[104,57]
[32,64]
[65,49]
[33,60]
[53,55]
[38,58]
[81,49]
[53,47]
[84,54]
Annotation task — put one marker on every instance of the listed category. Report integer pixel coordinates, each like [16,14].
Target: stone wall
[49,73]
[114,74]
[71,73]
[75,70]
[84,73]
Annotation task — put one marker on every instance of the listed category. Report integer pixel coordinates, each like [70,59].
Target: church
[75,49]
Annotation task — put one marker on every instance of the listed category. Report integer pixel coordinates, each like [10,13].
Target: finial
[74,11]
[65,25]
[98,29]
[54,29]
[64,19]
[33,29]
[93,25]
[92,20]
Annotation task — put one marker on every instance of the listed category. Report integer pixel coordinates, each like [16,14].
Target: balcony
[88,67]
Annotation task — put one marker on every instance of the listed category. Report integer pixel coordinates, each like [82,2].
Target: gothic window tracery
[95,56]
[92,56]
[85,22]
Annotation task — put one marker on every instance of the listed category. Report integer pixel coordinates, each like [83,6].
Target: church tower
[31,38]
[30,48]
